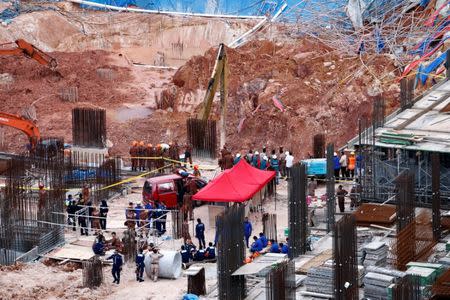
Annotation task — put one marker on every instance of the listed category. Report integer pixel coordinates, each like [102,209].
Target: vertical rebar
[231,252]
[298,211]
[331,200]
[436,194]
[345,259]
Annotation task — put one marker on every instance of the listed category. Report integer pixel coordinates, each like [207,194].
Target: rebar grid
[319,145]
[414,242]
[407,287]
[298,211]
[331,199]
[280,282]
[345,259]
[231,252]
[202,135]
[405,199]
[435,187]
[26,215]
[270,226]
[89,127]
[441,289]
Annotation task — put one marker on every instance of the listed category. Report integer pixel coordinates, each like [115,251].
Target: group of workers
[189,253]
[152,215]
[88,215]
[345,166]
[281,163]
[117,260]
[149,157]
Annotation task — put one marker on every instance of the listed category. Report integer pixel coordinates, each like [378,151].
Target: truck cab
[169,189]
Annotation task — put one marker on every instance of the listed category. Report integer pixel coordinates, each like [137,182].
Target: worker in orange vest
[351,164]
[141,153]
[149,152]
[134,154]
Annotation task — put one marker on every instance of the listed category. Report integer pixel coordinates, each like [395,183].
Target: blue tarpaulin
[380,41]
[424,71]
[424,3]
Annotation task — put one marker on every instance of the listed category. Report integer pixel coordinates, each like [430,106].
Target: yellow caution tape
[133,178]
[201,167]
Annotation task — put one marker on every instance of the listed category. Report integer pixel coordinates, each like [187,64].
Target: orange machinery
[30,51]
[26,126]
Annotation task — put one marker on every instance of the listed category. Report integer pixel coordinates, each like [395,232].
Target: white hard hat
[274,156]
[256,153]
[335,154]
[287,152]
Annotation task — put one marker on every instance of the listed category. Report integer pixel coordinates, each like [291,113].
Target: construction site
[224,149]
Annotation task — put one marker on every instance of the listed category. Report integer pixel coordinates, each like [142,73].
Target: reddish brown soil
[319,98]
[316,102]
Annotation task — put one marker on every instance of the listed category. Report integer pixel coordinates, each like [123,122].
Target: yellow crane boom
[219,74]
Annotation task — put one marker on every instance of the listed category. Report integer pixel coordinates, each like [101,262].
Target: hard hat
[149,145]
[287,152]
[141,143]
[274,156]
[352,153]
[134,143]
[195,167]
[238,155]
[256,153]
[335,154]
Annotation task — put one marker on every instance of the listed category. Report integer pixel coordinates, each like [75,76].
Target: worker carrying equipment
[30,51]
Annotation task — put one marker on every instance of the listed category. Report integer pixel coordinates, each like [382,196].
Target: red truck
[168,189]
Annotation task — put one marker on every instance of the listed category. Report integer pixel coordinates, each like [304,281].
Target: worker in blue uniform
[117,266]
[263,239]
[256,245]
[211,251]
[140,266]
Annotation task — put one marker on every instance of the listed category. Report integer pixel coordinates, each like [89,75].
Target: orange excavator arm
[25,125]
[30,51]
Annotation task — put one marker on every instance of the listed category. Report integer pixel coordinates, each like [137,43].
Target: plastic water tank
[169,264]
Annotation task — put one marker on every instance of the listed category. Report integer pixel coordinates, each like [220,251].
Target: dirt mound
[320,92]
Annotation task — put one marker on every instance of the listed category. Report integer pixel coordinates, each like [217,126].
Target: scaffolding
[27,216]
[378,167]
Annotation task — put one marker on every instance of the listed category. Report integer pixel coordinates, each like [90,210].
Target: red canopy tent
[237,184]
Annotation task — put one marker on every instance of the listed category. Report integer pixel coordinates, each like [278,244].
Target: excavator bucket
[38,55]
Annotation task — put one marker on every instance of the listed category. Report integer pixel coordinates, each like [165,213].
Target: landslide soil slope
[322,93]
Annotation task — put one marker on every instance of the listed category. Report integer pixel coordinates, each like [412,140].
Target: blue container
[316,166]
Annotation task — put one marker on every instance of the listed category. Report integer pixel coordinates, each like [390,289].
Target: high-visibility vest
[351,162]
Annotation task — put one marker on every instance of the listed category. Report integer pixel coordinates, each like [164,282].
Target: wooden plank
[423,112]
[315,261]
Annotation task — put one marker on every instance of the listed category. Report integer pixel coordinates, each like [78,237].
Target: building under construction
[251,149]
